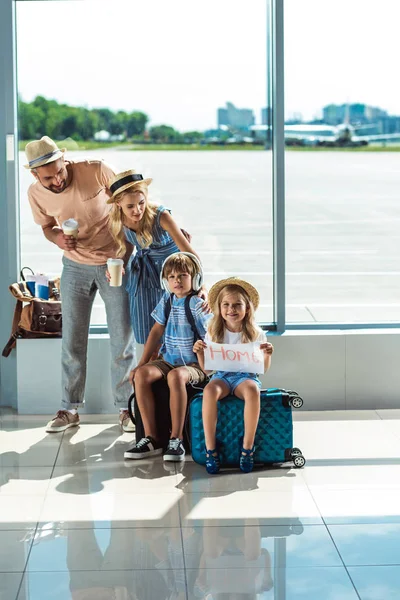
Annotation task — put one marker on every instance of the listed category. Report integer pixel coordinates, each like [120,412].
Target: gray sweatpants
[79,284]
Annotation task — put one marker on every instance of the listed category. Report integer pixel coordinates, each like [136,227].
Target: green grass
[90,145]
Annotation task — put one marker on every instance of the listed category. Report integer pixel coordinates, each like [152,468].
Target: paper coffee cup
[70,227]
[114,266]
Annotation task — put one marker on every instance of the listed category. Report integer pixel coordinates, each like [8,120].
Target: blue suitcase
[274,437]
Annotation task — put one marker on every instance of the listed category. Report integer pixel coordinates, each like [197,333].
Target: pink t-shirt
[84,200]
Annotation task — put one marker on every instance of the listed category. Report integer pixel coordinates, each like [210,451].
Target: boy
[181,277]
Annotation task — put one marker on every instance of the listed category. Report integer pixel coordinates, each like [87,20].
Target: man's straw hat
[217,287]
[125,180]
[41,152]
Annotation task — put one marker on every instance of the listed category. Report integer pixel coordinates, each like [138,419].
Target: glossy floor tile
[358,506]
[264,583]
[79,522]
[111,549]
[346,477]
[193,478]
[248,546]
[249,507]
[123,477]
[15,546]
[368,544]
[20,511]
[112,510]
[9,585]
[376,583]
[16,480]
[156,584]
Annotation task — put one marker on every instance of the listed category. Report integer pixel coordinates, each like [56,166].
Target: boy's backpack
[188,312]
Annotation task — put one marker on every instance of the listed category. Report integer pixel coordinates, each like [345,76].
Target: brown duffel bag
[34,317]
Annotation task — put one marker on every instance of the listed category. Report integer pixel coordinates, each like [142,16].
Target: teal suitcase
[274,437]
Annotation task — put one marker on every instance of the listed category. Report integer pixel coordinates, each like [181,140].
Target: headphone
[197,279]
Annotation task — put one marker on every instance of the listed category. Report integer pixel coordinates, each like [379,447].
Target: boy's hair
[180,263]
[146,223]
[216,328]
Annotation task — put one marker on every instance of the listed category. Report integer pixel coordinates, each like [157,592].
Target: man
[79,190]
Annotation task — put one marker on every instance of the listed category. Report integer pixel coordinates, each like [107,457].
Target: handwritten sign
[241,358]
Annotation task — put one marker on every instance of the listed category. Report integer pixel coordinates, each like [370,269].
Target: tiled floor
[78,522]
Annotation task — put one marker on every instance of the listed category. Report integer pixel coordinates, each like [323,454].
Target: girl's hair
[216,328]
[116,222]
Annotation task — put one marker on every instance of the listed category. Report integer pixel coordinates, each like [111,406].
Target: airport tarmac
[342,225]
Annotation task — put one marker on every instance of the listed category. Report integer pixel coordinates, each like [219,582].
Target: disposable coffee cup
[114,266]
[70,227]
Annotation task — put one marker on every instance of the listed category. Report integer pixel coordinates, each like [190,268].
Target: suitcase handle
[130,402]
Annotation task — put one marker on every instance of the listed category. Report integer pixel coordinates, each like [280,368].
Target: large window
[200,71]
[342,196]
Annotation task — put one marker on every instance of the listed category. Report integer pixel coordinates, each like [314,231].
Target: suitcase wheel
[296,402]
[299,461]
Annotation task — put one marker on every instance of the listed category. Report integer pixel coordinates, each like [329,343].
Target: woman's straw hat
[41,152]
[125,180]
[217,287]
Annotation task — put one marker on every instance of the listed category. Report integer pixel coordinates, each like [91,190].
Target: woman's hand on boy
[199,346]
[187,235]
[267,348]
[203,294]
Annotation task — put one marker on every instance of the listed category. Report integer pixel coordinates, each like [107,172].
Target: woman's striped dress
[143,276]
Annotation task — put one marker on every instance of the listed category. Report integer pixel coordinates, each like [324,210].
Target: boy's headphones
[197,278]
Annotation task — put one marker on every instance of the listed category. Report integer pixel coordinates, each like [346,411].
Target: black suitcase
[163,416]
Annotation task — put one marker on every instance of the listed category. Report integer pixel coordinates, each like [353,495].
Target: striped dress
[143,276]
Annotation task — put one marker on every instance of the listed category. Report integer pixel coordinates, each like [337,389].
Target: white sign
[241,358]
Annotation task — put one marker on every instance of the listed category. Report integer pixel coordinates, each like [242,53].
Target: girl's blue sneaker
[247,460]
[213,464]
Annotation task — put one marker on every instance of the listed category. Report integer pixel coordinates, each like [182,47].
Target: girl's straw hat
[125,180]
[41,152]
[217,287]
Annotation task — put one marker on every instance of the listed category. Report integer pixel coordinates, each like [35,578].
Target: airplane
[323,134]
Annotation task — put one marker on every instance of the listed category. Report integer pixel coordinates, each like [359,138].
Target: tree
[105,117]
[136,124]
[119,123]
[31,121]
[164,133]
[48,117]
[192,137]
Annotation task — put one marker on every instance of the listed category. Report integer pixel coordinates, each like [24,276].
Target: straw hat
[217,287]
[125,180]
[41,152]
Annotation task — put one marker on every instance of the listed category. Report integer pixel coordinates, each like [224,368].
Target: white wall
[330,370]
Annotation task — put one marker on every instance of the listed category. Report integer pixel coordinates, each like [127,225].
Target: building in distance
[238,119]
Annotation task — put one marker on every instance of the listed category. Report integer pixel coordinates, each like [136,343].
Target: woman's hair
[180,263]
[216,328]
[116,222]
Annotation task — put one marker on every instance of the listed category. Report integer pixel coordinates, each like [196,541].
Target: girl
[134,221]
[233,302]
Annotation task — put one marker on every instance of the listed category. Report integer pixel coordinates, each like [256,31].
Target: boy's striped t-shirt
[177,347]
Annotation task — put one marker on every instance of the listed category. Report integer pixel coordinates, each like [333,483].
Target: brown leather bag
[33,317]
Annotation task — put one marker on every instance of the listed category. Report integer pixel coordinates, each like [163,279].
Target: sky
[178,61]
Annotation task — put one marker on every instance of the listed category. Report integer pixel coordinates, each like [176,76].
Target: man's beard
[57,190]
